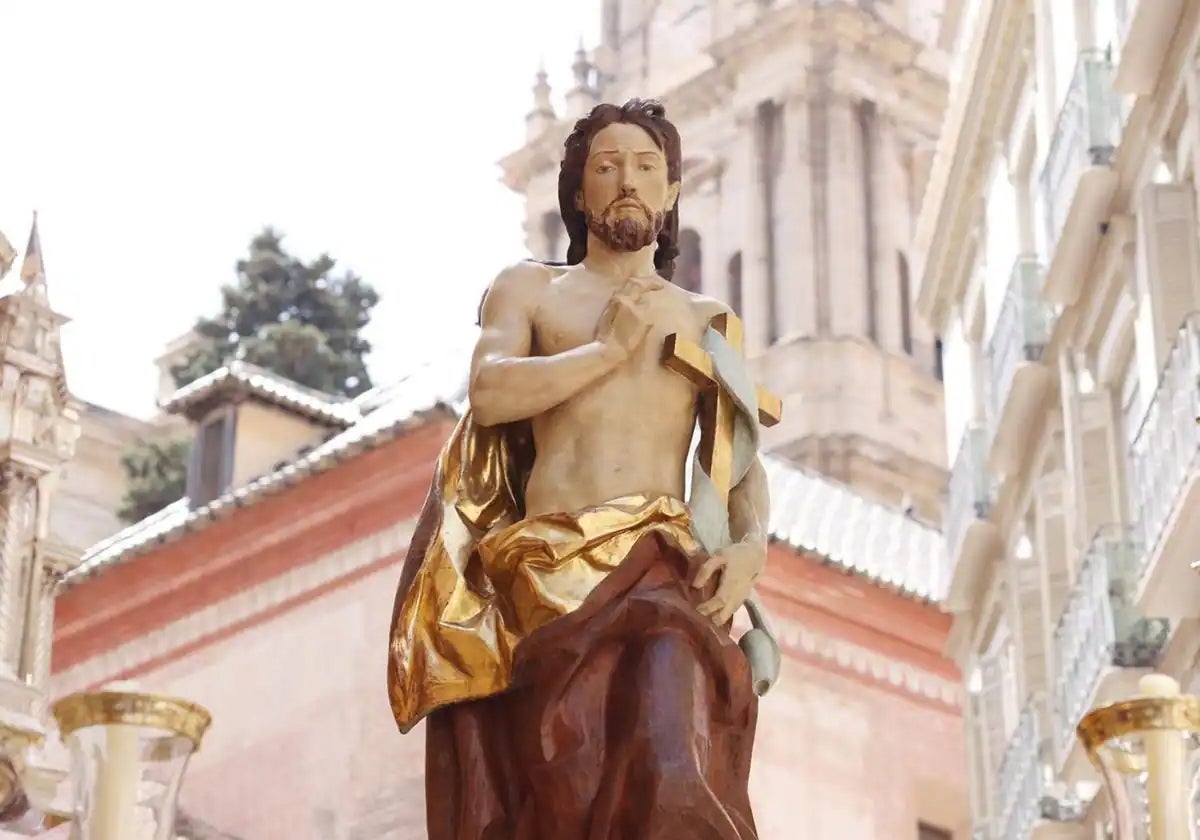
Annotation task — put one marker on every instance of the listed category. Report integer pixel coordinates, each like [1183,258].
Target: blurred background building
[809,131]
[1059,262]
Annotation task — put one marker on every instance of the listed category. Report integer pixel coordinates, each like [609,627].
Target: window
[734,277]
[906,337]
[689,263]
[937,359]
[769,130]
[925,831]
[552,231]
[212,459]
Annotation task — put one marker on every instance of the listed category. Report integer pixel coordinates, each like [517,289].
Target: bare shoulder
[707,308]
[518,286]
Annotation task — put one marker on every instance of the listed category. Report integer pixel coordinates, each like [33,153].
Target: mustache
[629,200]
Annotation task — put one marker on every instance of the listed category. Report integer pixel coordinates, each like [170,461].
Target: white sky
[155,139]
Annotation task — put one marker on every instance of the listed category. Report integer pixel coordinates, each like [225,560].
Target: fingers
[707,570]
[719,609]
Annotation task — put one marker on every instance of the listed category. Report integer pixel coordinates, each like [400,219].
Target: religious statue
[564,614]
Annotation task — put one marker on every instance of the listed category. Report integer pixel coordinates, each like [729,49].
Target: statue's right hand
[624,324]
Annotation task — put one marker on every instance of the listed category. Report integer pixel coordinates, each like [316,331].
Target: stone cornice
[965,150]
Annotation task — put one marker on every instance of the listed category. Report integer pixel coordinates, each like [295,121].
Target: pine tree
[292,318]
[155,476]
[295,319]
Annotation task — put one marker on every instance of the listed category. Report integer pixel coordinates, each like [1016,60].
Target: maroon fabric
[632,718]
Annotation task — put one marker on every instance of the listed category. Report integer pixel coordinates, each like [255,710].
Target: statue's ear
[672,195]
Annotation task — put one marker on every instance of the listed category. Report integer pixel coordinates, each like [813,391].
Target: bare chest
[568,319]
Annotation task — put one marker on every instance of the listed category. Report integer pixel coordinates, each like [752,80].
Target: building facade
[1060,264]
[265,594]
[807,131]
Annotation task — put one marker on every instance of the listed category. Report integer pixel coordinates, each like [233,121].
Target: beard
[625,233]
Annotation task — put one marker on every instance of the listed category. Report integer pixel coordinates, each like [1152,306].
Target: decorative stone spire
[583,96]
[39,424]
[542,116]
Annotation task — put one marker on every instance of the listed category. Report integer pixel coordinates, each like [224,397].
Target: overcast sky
[155,139]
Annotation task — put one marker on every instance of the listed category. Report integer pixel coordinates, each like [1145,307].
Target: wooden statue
[563,618]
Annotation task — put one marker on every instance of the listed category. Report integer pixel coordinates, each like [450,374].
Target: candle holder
[129,752]
[1147,752]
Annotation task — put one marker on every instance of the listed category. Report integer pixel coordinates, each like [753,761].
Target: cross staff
[719,408]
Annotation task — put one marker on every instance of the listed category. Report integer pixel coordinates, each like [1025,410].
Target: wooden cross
[719,408]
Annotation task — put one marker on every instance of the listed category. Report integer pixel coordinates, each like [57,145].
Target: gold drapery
[487,577]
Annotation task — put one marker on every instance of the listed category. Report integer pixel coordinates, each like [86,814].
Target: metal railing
[1021,333]
[1085,134]
[1020,783]
[1164,454]
[969,493]
[1100,627]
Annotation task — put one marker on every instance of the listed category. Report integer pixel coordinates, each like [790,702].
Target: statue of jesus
[559,625]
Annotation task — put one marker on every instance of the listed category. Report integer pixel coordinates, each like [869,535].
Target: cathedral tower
[807,128]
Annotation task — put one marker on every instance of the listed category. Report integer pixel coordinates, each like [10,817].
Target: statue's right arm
[507,383]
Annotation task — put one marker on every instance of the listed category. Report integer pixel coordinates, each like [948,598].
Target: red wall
[303,745]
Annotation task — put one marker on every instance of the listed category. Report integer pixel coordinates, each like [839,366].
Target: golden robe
[571,687]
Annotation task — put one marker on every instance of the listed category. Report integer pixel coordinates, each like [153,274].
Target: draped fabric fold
[571,688]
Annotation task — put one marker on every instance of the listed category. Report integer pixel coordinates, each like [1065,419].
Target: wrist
[612,352]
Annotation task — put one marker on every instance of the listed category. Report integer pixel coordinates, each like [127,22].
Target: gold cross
[718,408]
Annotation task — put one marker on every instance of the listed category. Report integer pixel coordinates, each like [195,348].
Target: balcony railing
[1022,330]
[1164,453]
[1100,627]
[970,488]
[1020,785]
[1085,134]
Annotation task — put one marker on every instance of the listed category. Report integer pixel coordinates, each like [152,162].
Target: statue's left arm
[741,563]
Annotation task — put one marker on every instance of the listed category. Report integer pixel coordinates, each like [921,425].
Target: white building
[1060,263]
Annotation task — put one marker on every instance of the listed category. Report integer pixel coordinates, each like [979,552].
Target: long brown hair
[651,117]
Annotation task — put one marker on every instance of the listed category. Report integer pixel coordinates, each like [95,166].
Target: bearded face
[626,224]
[625,192]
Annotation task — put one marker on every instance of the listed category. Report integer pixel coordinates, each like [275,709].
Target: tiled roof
[819,516]
[266,386]
[811,513]
[426,390]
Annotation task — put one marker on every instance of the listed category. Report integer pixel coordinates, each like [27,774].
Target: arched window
[734,278]
[552,235]
[689,263]
[906,337]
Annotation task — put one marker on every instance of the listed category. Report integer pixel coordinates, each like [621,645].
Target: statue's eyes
[648,167]
[604,168]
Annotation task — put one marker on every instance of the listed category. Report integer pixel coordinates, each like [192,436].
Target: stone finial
[542,116]
[584,95]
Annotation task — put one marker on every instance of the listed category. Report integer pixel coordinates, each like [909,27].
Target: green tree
[155,476]
[296,319]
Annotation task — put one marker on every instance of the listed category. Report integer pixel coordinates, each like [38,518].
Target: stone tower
[808,128]
[39,424]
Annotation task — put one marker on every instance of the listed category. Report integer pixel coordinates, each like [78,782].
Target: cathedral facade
[807,131]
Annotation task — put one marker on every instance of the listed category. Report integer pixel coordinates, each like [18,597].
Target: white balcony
[1020,784]
[1164,462]
[1101,642]
[970,534]
[1018,380]
[1145,29]
[1077,182]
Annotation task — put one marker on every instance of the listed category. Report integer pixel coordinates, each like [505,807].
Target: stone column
[754,237]
[847,241]
[892,233]
[795,266]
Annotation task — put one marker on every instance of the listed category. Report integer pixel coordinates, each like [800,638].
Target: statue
[563,619]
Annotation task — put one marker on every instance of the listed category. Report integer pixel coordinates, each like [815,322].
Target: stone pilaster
[795,267]
[18,495]
[753,238]
[847,244]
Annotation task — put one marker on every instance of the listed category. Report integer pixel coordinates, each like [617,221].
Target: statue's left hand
[739,564]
